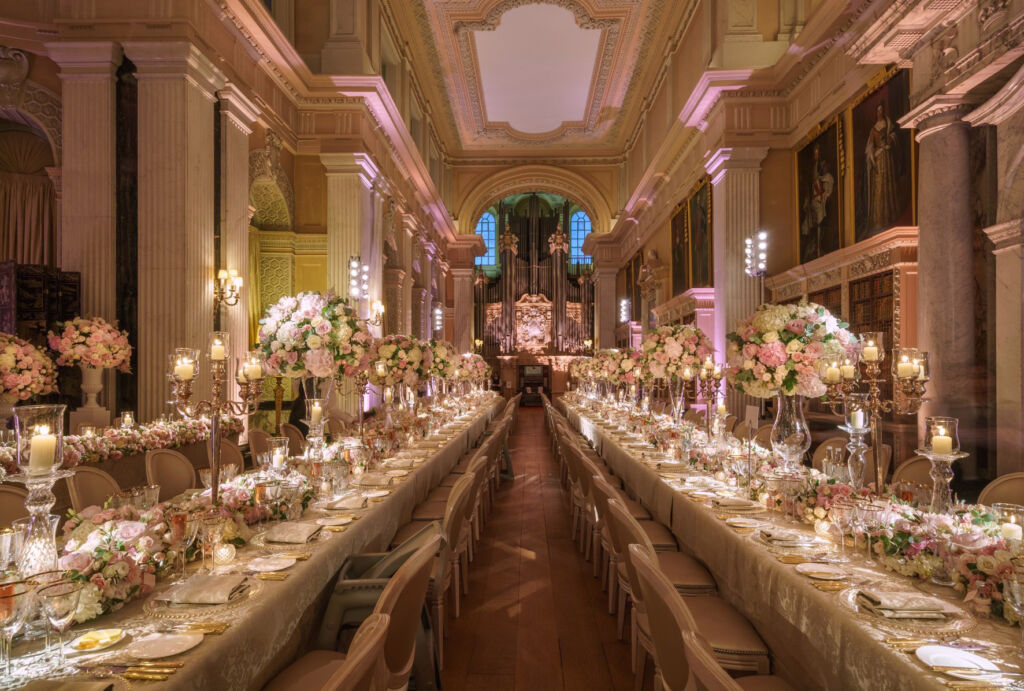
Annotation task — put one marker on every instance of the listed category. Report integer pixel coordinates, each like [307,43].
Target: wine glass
[12,540]
[1013,595]
[839,515]
[184,527]
[35,582]
[15,606]
[60,601]
[871,517]
[213,531]
[206,477]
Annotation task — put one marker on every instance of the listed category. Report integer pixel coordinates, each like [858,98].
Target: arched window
[579,229]
[485,229]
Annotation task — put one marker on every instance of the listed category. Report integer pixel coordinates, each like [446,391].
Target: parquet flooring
[535,618]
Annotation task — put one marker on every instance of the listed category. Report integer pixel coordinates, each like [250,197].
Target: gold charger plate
[951,626]
[161,609]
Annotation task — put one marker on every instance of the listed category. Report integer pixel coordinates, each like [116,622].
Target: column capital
[174,59]
[358,163]
[85,59]
[463,251]
[938,112]
[238,108]
[1005,236]
[734,158]
[462,273]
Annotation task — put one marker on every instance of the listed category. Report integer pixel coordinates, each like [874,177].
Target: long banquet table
[816,643]
[271,629]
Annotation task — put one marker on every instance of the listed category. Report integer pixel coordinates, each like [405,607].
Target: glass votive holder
[152,495]
[186,363]
[829,371]
[315,412]
[278,450]
[87,431]
[940,437]
[254,365]
[872,346]
[218,348]
[906,364]
[857,411]
[127,419]
[1011,521]
[39,434]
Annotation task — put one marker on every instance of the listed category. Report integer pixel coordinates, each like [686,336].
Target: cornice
[937,112]
[1008,101]
[241,112]
[1006,236]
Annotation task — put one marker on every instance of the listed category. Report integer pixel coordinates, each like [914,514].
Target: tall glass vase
[791,438]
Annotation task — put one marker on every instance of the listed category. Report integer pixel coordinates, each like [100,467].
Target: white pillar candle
[42,449]
[721,409]
[315,415]
[848,371]
[942,444]
[870,352]
[1012,531]
[687,374]
[253,371]
[832,375]
[278,459]
[241,375]
[856,419]
[905,369]
[217,351]
[184,370]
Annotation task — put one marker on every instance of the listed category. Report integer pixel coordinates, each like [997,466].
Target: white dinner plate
[267,564]
[114,636]
[822,572]
[740,522]
[377,493]
[163,645]
[334,520]
[397,473]
[941,655]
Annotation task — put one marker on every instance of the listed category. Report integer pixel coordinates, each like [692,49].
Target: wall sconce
[376,313]
[358,278]
[756,259]
[624,312]
[227,289]
[478,344]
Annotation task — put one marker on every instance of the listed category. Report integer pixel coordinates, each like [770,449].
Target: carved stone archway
[270,189]
[535,178]
[23,100]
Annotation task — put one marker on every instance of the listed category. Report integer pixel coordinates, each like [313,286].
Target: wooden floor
[535,618]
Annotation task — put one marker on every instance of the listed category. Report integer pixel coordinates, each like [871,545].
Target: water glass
[184,528]
[59,602]
[840,515]
[12,540]
[152,494]
[15,606]
[213,531]
[1013,595]
[206,477]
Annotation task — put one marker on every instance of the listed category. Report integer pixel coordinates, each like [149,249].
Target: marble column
[1009,431]
[462,286]
[87,74]
[176,90]
[350,179]
[408,232]
[736,215]
[237,115]
[946,282]
[605,309]
[394,279]
[442,299]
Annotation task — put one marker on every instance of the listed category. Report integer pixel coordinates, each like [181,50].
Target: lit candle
[870,353]
[942,444]
[381,370]
[253,371]
[905,369]
[708,364]
[832,374]
[241,375]
[704,374]
[388,396]
[1012,531]
[721,409]
[127,419]
[88,431]
[848,370]
[856,419]
[217,351]
[278,459]
[41,450]
[184,370]
[717,372]
[315,415]
[687,374]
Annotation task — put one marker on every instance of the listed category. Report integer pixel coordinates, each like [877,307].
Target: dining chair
[335,427]
[171,470]
[737,646]
[869,465]
[693,416]
[362,668]
[12,504]
[763,438]
[821,453]
[259,444]
[914,469]
[742,431]
[296,439]
[91,487]
[231,454]
[1007,488]
[709,675]
[730,423]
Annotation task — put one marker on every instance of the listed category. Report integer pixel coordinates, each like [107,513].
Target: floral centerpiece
[116,552]
[444,363]
[25,371]
[399,359]
[776,350]
[91,342]
[668,350]
[623,366]
[474,367]
[314,334]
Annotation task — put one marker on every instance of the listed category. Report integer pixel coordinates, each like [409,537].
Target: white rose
[986,564]
[748,364]
[415,355]
[344,332]
[6,360]
[386,351]
[770,336]
[314,342]
[794,346]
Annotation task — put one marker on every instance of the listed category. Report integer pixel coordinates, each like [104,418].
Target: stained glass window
[579,229]
[485,229]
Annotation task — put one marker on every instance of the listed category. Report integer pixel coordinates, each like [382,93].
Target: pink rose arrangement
[398,359]
[473,367]
[669,350]
[116,552]
[314,334]
[444,363]
[25,371]
[92,342]
[777,349]
[622,366]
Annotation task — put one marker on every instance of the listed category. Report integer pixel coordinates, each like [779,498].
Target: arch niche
[534,178]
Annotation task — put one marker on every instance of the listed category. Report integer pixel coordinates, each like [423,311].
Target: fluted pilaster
[736,214]
[394,307]
[605,309]
[350,179]
[462,284]
[176,86]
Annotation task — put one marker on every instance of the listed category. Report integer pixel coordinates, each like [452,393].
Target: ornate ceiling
[529,76]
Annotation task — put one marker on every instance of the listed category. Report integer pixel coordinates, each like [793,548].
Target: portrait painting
[882,159]
[699,226]
[680,253]
[819,191]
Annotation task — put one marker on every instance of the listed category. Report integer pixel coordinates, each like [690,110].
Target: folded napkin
[902,604]
[348,503]
[67,685]
[735,503]
[397,463]
[374,480]
[292,532]
[205,589]
[782,535]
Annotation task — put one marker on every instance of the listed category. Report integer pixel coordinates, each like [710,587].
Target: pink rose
[773,354]
[75,561]
[796,326]
[129,530]
[750,351]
